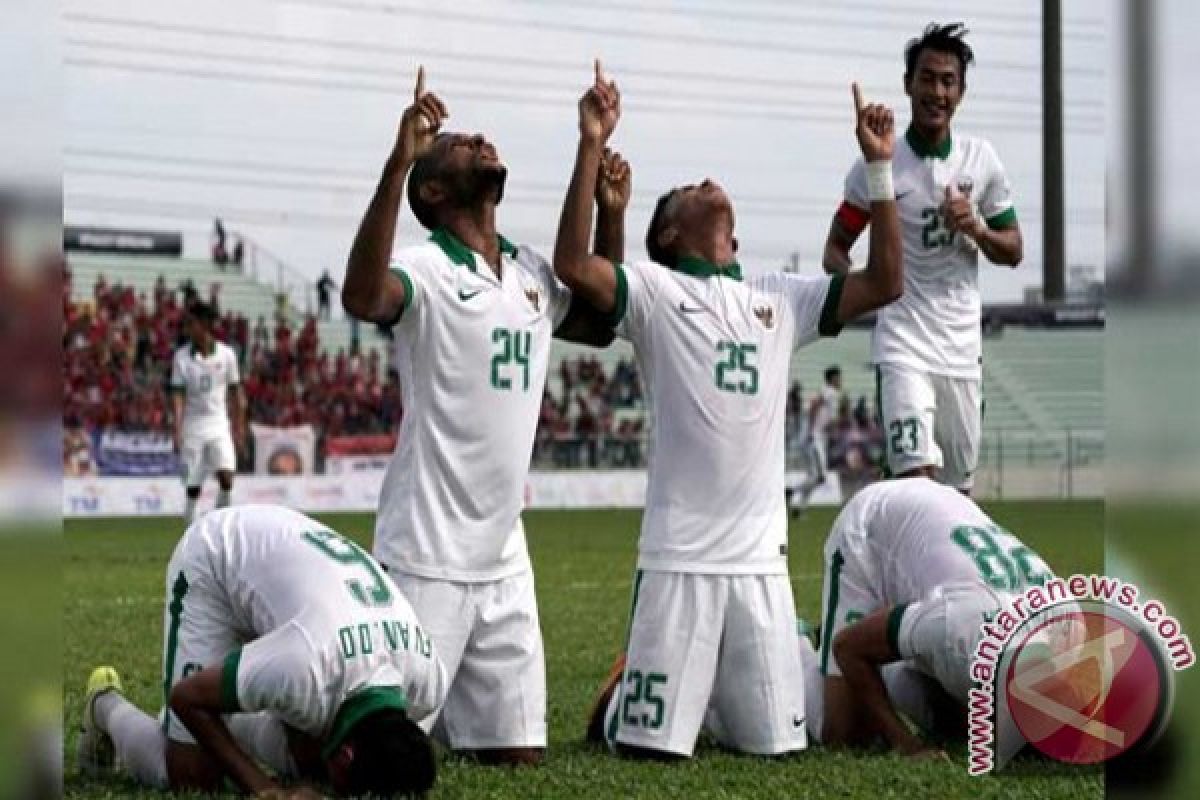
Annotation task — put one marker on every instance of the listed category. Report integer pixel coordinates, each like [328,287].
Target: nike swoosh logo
[903,195]
[465,296]
[684,308]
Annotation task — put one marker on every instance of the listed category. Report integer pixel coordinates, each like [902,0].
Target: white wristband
[879,182]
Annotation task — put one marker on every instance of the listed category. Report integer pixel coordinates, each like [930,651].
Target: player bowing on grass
[713,621]
[955,201]
[473,317]
[204,383]
[284,644]
[913,569]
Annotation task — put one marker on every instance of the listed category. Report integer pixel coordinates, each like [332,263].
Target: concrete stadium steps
[1036,382]
[239,292]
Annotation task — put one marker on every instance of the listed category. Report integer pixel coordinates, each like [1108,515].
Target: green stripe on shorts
[175,608]
[835,574]
[637,586]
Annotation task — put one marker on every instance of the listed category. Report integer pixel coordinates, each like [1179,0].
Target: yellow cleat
[94,751]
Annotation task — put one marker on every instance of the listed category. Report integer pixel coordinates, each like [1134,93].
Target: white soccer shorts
[939,633]
[931,420]
[717,651]
[198,626]
[851,586]
[202,454]
[490,641]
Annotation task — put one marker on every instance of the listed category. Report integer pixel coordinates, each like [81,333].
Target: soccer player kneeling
[284,644]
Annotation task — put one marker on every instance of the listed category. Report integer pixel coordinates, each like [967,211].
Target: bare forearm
[570,247]
[863,676]
[610,235]
[211,734]
[367,267]
[1003,247]
[885,263]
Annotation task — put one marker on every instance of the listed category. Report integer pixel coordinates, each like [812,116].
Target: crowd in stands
[593,419]
[118,348]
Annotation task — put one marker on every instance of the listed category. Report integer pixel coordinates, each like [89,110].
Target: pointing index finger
[599,69]
[420,88]
[859,103]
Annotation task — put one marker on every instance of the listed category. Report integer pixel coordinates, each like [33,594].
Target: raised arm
[593,278]
[836,257]
[371,292]
[614,183]
[883,279]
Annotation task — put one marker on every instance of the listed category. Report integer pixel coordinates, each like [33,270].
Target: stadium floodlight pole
[1142,105]
[1053,232]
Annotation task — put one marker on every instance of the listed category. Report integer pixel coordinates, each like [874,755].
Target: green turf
[583,562]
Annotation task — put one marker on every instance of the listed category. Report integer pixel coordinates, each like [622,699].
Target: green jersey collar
[356,707]
[462,255]
[924,149]
[705,269]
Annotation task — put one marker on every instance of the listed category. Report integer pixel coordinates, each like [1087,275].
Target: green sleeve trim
[895,616]
[1005,219]
[829,324]
[408,295]
[229,671]
[621,301]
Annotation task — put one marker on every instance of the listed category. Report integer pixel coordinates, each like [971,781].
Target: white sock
[814,687]
[189,510]
[138,738]
[224,498]
[264,738]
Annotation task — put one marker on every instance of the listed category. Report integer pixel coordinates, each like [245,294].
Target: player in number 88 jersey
[285,644]
[912,570]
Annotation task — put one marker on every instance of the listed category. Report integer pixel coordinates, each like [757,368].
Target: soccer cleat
[94,751]
[595,728]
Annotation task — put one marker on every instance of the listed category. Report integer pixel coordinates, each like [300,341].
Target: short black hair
[426,168]
[658,221]
[942,39]
[203,312]
[832,372]
[392,756]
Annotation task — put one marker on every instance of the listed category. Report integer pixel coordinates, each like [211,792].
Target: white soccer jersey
[471,350]
[714,354]
[935,325]
[912,536]
[205,381]
[327,634]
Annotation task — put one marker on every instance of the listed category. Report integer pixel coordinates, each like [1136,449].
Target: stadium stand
[122,317]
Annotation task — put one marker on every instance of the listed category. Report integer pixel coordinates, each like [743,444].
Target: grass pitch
[583,564]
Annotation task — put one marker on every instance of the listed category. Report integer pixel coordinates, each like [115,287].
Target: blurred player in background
[913,569]
[472,316]
[821,413]
[284,644]
[205,383]
[713,612]
[955,201]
